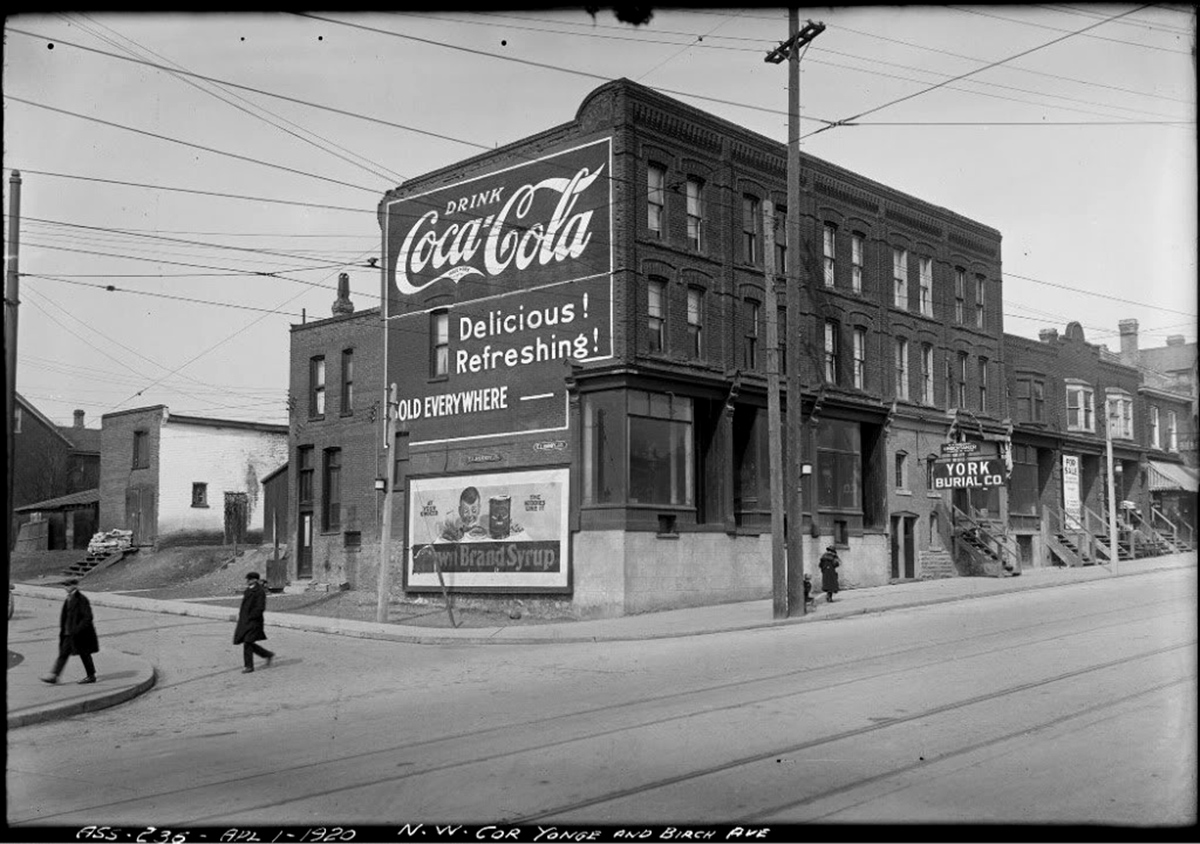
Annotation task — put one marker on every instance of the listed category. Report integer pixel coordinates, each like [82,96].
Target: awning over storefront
[1166,477]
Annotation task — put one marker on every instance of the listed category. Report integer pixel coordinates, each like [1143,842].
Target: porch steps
[96,562]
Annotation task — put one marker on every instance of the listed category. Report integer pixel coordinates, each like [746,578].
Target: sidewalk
[30,700]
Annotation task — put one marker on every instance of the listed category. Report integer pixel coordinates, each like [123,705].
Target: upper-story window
[983,384]
[331,511]
[751,229]
[832,351]
[656,294]
[316,386]
[1155,433]
[926,281]
[753,315]
[860,358]
[347,380]
[1080,407]
[304,475]
[830,251]
[961,386]
[927,373]
[960,295]
[949,373]
[857,261]
[781,240]
[695,321]
[1118,410]
[141,449]
[656,198]
[439,344]
[900,278]
[695,212]
[980,301]
[1031,399]
[901,368]
[902,470]
[1172,431]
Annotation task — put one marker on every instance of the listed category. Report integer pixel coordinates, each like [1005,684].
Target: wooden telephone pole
[12,298]
[385,544]
[788,583]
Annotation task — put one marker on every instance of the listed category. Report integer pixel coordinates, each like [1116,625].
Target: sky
[223,215]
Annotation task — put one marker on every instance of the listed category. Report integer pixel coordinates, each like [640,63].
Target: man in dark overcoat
[76,634]
[249,630]
[829,576]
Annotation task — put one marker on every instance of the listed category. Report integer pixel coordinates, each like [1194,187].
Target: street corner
[120,677]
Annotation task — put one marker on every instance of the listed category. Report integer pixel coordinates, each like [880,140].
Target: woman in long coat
[250,624]
[829,576]
[76,634]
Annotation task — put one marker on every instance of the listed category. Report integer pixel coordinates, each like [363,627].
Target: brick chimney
[1129,340]
[343,305]
[1048,335]
[1175,340]
[79,419]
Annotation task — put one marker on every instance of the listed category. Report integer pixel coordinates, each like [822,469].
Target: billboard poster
[1072,503]
[494,285]
[489,531]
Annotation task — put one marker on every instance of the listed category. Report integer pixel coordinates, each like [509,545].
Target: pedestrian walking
[829,576]
[249,631]
[76,634]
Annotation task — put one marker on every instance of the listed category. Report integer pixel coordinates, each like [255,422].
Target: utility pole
[385,540]
[796,276]
[1112,493]
[12,298]
[779,572]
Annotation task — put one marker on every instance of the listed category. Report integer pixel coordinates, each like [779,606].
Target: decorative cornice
[765,161]
[971,245]
[676,127]
[846,195]
[921,224]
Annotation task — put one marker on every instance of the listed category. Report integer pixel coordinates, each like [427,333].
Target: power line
[248,111]
[971,73]
[1098,295]
[217,194]
[112,288]
[1060,29]
[188,143]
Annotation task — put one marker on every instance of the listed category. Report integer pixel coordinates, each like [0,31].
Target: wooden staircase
[97,562]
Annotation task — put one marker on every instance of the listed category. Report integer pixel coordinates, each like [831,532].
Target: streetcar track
[1005,646]
[836,737]
[962,751]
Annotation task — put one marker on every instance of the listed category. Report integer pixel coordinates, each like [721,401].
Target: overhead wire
[849,120]
[378,172]
[1060,29]
[112,288]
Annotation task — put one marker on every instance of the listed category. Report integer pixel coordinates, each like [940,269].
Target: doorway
[904,552]
[237,509]
[304,546]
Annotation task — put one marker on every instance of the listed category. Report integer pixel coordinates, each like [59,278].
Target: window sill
[316,418]
[907,492]
[200,507]
[346,413]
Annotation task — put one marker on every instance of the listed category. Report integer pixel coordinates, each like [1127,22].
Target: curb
[372,630]
[54,712]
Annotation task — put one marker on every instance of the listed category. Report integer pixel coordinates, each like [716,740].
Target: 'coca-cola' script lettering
[504,238]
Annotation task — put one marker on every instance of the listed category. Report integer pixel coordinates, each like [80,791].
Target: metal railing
[989,534]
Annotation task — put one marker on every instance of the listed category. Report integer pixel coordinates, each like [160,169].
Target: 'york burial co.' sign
[971,473]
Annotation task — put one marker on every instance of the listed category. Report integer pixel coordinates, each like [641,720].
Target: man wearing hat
[829,576]
[249,630]
[76,634]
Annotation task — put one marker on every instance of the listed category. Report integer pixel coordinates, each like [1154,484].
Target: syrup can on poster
[500,516]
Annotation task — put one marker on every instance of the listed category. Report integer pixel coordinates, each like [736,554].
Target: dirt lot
[214,575]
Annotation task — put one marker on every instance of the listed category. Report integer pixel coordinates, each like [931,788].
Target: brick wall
[118,476]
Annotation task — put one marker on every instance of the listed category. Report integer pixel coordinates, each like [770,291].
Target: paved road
[1075,705]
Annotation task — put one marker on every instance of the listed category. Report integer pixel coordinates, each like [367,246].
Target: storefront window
[603,447]
[660,449]
[1023,486]
[839,466]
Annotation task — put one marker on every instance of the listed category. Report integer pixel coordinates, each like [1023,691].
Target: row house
[576,324]
[1071,401]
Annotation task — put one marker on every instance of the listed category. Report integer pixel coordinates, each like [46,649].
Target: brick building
[1068,397]
[185,480]
[576,326]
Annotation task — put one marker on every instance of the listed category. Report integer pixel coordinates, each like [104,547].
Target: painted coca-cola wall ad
[504,530]
[496,285]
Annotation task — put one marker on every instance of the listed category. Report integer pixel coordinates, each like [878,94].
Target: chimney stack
[79,419]
[1175,340]
[1048,335]
[343,305]
[1129,340]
